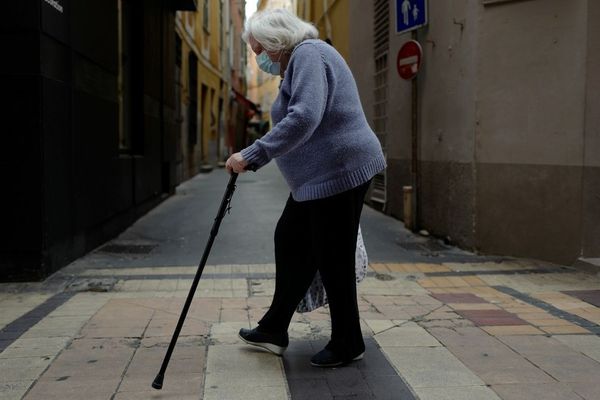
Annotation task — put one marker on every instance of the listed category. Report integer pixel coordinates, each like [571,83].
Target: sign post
[410,15]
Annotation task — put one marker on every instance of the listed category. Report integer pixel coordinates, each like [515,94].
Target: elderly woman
[328,155]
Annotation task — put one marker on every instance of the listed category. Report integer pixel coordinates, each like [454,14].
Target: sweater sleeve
[305,109]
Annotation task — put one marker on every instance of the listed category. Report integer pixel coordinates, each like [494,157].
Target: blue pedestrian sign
[410,15]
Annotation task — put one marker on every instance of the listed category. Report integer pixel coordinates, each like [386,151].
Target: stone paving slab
[457,393]
[459,298]
[579,367]
[585,344]
[430,367]
[35,347]
[496,363]
[371,378]
[14,390]
[421,331]
[30,323]
[18,305]
[23,368]
[483,317]
[74,388]
[537,345]
[512,330]
[406,334]
[236,371]
[546,391]
[587,390]
[463,336]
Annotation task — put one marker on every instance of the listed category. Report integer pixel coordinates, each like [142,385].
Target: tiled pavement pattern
[433,331]
[372,378]
[589,296]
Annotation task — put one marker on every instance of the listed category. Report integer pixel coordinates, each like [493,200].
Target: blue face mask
[265,64]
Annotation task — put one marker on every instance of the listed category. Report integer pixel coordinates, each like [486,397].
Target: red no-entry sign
[409,59]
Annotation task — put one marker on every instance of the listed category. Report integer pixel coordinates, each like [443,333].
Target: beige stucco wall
[591,188]
[532,82]
[447,121]
[448,82]
[331,17]
[360,58]
[592,112]
[509,100]
[530,100]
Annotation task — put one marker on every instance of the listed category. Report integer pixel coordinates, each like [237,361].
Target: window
[178,61]
[243,56]
[222,30]
[381,48]
[193,106]
[206,16]
[178,51]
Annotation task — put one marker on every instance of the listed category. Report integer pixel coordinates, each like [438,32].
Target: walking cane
[225,206]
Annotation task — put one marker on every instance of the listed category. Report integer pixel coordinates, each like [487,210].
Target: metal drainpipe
[327,21]
[416,172]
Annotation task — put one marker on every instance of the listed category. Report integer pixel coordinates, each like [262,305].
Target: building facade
[103,118]
[241,108]
[331,17]
[263,87]
[89,95]
[213,89]
[499,133]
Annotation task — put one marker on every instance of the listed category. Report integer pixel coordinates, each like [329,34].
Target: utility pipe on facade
[415,146]
[327,21]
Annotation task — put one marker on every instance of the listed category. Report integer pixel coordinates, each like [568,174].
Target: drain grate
[127,248]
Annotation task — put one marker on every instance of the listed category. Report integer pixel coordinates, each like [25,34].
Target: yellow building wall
[212,82]
[211,76]
[262,87]
[209,87]
[189,155]
[332,19]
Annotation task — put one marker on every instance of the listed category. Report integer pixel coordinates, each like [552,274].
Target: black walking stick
[225,205]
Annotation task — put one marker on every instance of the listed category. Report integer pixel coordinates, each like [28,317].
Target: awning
[185,5]
[240,98]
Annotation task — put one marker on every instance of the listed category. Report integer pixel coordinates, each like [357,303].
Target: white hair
[278,29]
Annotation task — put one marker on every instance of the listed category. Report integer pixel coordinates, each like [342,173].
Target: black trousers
[319,235]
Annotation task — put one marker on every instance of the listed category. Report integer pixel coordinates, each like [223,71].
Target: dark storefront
[89,136]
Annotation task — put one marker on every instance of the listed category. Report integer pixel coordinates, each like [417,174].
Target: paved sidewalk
[434,331]
[439,323]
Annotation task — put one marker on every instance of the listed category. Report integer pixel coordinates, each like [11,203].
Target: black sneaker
[275,343]
[328,359]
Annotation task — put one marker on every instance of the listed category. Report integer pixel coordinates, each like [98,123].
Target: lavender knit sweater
[320,139]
